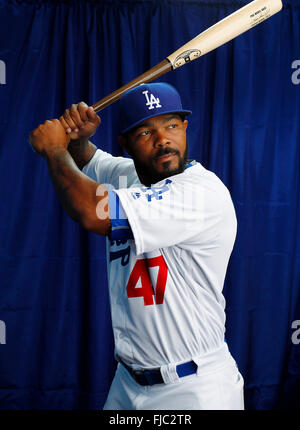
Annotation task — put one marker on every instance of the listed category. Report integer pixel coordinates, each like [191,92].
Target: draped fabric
[54,307]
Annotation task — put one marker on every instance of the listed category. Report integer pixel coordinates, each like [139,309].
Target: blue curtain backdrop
[245,127]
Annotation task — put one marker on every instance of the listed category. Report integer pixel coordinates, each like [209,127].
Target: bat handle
[151,74]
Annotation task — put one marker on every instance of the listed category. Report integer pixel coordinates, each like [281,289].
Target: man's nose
[161,139]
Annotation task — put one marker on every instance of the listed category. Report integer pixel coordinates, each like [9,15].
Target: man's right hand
[80,121]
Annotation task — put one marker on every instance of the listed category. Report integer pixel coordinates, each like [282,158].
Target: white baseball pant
[217,385]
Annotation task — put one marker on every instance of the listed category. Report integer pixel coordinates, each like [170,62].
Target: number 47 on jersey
[146,290]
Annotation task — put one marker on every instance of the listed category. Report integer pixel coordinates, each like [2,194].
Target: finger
[33,132]
[56,123]
[76,117]
[32,136]
[65,125]
[92,116]
[69,120]
[82,108]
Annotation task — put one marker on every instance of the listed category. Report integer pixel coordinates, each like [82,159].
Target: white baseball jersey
[167,260]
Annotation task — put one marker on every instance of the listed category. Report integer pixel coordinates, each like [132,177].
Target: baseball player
[171,227]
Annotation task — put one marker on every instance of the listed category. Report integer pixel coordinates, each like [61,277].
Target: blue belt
[153,376]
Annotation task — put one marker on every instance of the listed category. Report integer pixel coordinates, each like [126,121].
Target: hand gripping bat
[220,33]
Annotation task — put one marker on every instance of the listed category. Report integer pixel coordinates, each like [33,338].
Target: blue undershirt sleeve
[120,228]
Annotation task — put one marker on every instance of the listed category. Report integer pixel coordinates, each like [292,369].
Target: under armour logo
[151,101]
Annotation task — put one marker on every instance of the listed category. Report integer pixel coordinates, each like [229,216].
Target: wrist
[82,152]
[53,151]
[81,141]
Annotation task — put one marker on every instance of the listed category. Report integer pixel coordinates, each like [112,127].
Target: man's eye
[144,133]
[172,125]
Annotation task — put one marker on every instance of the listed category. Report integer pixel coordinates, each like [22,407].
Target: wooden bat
[222,32]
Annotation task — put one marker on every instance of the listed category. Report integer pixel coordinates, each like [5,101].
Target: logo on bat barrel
[185,57]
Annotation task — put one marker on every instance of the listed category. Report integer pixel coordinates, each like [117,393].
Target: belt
[153,376]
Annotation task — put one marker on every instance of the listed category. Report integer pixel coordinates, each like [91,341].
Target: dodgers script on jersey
[167,259]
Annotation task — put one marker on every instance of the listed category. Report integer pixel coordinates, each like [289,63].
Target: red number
[141,271]
[161,277]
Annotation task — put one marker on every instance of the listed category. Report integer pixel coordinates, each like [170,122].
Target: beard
[151,173]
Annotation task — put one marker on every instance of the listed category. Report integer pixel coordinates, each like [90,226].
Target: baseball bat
[218,34]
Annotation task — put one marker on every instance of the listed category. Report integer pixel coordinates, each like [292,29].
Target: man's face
[158,147]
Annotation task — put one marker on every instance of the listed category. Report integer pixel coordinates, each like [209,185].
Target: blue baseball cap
[147,101]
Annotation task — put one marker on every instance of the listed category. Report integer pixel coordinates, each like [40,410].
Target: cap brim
[184,112]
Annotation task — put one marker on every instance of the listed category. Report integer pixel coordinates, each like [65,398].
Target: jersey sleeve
[118,172]
[174,212]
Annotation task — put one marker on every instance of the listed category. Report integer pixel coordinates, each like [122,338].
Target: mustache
[165,151]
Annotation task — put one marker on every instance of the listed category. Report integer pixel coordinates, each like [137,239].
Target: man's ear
[123,141]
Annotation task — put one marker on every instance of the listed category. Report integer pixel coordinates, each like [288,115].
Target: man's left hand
[48,137]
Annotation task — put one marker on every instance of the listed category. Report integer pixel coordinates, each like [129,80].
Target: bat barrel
[222,32]
[151,74]
[225,30]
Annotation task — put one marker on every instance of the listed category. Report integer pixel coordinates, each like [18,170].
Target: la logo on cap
[152,100]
